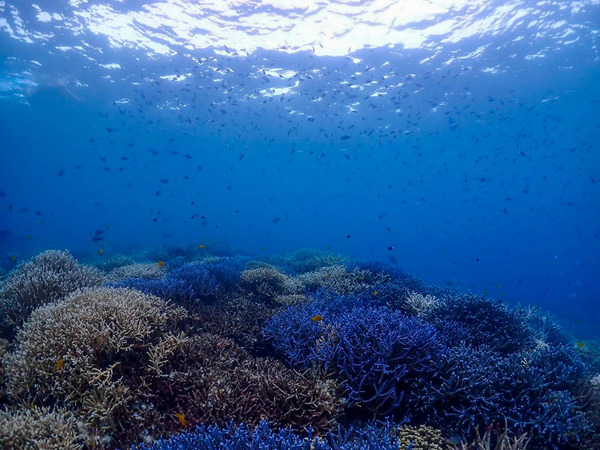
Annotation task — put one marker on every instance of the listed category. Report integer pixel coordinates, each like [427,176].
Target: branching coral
[529,390]
[265,283]
[187,285]
[486,322]
[40,429]
[211,379]
[382,356]
[143,271]
[421,438]
[49,276]
[84,352]
[263,436]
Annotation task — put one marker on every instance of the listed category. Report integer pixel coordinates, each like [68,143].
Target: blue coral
[242,437]
[382,355]
[184,285]
[530,390]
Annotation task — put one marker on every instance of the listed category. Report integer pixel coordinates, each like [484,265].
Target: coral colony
[304,351]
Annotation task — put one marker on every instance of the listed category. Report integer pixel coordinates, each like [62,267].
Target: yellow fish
[201,246]
[13,258]
[181,418]
[100,251]
[60,363]
[327,275]
[160,263]
[376,293]
[580,344]
[317,318]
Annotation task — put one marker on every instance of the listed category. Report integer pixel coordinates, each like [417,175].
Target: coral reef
[263,436]
[422,437]
[265,283]
[187,285]
[299,351]
[84,353]
[49,276]
[142,271]
[40,429]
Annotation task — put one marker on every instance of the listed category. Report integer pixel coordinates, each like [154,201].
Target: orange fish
[376,293]
[160,263]
[580,344]
[317,318]
[13,258]
[60,363]
[201,246]
[181,418]
[100,251]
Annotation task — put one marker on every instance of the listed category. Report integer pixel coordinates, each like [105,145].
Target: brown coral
[211,379]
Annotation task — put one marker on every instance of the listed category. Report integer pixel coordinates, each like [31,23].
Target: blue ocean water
[457,140]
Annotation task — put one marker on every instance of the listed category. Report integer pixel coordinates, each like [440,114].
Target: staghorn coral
[142,271]
[496,439]
[421,438]
[419,304]
[530,390]
[383,356]
[237,318]
[265,436]
[335,279]
[265,283]
[211,379]
[486,322]
[189,286]
[290,299]
[40,429]
[87,351]
[49,276]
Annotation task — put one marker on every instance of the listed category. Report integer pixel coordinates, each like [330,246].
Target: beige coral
[49,276]
[146,271]
[82,352]
[421,438]
[40,429]
[419,304]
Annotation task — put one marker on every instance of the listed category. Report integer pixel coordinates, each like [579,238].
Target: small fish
[100,251]
[202,246]
[160,263]
[580,344]
[317,318]
[375,293]
[60,363]
[181,418]
[13,258]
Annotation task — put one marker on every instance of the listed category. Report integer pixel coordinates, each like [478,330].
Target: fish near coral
[181,419]
[317,318]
